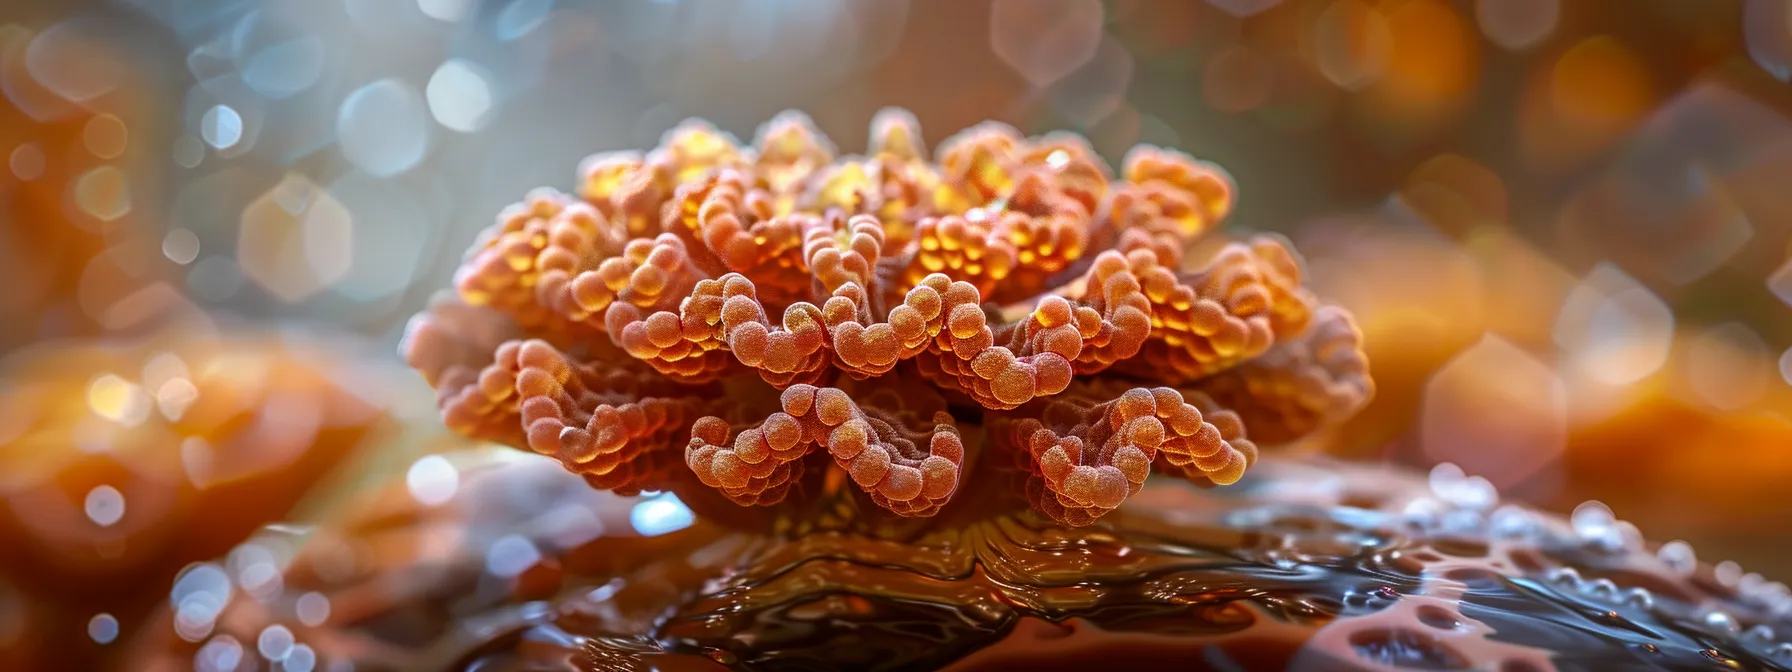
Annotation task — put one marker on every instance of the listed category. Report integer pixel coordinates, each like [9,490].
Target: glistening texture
[1306,564]
[754,307]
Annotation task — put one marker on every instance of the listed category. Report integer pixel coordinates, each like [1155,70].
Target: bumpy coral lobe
[895,309]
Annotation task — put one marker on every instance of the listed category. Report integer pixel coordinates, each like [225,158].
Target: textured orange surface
[787,313]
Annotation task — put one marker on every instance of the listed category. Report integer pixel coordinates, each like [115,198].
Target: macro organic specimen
[769,322]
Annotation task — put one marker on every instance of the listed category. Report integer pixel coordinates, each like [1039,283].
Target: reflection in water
[1314,564]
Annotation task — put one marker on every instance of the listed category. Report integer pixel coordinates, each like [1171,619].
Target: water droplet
[511,555]
[432,480]
[103,628]
[221,127]
[313,609]
[104,193]
[275,642]
[1720,620]
[1511,522]
[1568,577]
[1759,633]
[1678,556]
[1423,512]
[104,505]
[27,162]
[1470,492]
[1595,526]
[660,515]
[1640,598]
[459,95]
[381,128]
[1727,573]
[1601,589]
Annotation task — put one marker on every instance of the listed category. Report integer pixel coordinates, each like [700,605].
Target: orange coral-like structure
[749,319]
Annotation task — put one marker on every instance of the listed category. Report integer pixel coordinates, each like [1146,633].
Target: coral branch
[1085,458]
[610,425]
[961,248]
[790,151]
[627,189]
[694,148]
[547,235]
[1247,298]
[451,344]
[1209,186]
[885,460]
[1300,385]
[1036,356]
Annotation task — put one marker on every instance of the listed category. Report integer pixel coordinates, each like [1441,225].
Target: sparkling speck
[300,659]
[275,642]
[104,505]
[221,127]
[200,594]
[103,628]
[180,246]
[432,480]
[104,193]
[381,128]
[313,609]
[222,654]
[660,515]
[459,96]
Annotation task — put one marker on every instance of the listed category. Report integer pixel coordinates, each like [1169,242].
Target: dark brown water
[1305,565]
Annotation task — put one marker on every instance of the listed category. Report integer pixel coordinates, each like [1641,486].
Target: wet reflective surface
[1306,565]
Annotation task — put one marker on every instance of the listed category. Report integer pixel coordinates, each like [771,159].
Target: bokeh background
[1564,224]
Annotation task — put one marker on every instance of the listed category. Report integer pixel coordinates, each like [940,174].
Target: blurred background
[1564,225]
